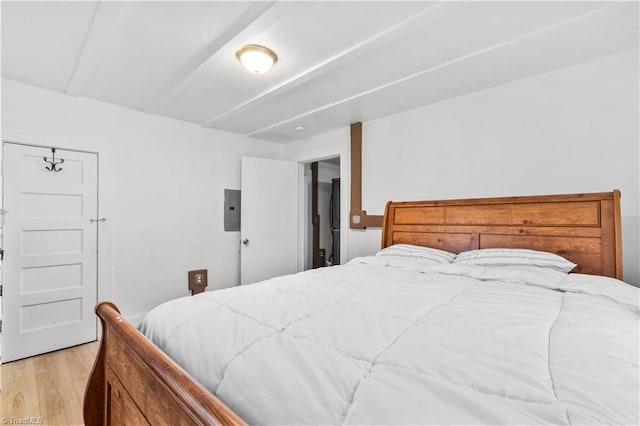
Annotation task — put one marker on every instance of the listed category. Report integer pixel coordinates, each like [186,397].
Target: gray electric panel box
[231,209]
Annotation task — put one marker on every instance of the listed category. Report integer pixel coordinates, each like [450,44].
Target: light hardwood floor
[49,386]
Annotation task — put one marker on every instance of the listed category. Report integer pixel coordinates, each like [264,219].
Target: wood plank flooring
[49,386]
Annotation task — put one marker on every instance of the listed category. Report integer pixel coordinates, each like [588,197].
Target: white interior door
[269,219]
[50,262]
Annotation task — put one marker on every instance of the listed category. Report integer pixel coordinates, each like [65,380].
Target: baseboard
[135,319]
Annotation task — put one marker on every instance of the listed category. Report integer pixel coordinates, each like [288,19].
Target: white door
[269,219]
[50,242]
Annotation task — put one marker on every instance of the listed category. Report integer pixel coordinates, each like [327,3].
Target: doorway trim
[341,151]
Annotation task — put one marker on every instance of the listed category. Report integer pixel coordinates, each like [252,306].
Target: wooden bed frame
[134,383]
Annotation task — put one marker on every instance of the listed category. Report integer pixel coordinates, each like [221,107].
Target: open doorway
[322,213]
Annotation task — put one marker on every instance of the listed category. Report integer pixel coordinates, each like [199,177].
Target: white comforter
[384,341]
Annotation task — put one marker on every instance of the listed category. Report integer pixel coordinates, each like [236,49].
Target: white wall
[161,184]
[572,130]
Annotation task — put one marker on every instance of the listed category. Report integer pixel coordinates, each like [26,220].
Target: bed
[411,335]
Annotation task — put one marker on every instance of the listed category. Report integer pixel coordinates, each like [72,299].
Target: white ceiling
[339,62]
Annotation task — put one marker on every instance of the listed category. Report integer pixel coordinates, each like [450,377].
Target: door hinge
[0,326]
[0,291]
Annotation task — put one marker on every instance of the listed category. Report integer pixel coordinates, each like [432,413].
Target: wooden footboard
[135,383]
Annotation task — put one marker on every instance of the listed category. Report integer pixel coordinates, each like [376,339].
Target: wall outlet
[197,280]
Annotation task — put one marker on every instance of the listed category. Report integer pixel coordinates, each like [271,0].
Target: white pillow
[408,250]
[543,277]
[418,264]
[515,257]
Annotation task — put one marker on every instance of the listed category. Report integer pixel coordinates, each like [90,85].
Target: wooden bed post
[385,220]
[94,395]
[135,383]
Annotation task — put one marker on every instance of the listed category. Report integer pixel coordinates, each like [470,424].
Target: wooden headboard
[584,228]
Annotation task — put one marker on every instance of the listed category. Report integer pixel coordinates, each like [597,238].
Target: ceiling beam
[390,84]
[258,16]
[389,34]
[95,42]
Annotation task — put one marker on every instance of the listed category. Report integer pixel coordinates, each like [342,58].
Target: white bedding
[391,341]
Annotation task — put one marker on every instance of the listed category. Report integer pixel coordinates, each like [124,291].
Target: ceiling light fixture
[257,59]
[299,128]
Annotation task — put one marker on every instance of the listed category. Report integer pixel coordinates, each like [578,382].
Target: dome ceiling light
[257,59]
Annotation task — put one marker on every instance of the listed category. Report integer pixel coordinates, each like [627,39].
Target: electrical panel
[231,209]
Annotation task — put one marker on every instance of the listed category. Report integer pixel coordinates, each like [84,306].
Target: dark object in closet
[334,221]
[317,260]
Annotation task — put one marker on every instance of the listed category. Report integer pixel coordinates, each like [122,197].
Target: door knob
[245,242]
